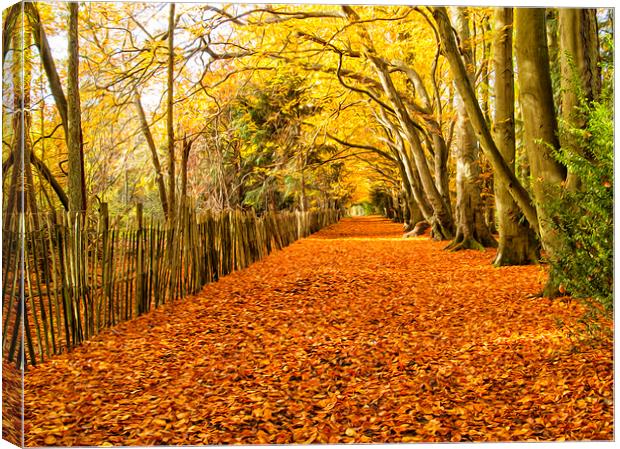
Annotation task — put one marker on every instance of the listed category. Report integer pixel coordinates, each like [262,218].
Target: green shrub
[585,217]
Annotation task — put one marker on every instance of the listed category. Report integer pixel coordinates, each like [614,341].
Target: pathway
[352,334]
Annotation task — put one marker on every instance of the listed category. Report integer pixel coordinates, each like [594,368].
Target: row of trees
[456,114]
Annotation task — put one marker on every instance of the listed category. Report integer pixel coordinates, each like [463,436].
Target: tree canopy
[426,114]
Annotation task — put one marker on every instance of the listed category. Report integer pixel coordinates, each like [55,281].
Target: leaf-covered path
[353,334]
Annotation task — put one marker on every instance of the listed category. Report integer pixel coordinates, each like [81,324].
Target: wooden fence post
[106,266]
[141,296]
[93,284]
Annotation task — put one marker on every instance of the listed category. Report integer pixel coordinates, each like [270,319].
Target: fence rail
[67,278]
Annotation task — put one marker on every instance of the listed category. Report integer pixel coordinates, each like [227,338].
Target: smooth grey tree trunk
[501,170]
[539,122]
[579,73]
[472,231]
[517,241]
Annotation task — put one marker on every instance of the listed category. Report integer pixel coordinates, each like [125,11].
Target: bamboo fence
[65,278]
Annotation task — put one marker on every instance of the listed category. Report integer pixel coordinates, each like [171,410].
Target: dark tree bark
[45,172]
[187,147]
[40,40]
[159,176]
[77,184]
[14,201]
[21,158]
[412,213]
[21,196]
[28,181]
[8,27]
[170,117]
[517,241]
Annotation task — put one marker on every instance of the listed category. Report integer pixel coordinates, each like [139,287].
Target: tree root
[467,243]
[508,258]
[419,229]
[438,233]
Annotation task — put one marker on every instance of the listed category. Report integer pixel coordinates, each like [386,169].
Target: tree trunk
[415,213]
[539,121]
[8,28]
[417,191]
[49,66]
[170,117]
[159,176]
[29,197]
[551,27]
[45,172]
[14,199]
[40,40]
[443,225]
[395,202]
[412,213]
[409,172]
[404,205]
[517,241]
[483,85]
[187,147]
[77,185]
[466,90]
[440,148]
[442,220]
[472,231]
[580,75]
[302,192]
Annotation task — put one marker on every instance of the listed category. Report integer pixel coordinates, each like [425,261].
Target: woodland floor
[351,335]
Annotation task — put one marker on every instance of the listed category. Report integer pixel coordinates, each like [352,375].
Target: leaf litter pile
[351,335]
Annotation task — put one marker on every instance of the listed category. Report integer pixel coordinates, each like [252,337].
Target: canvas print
[306,223]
